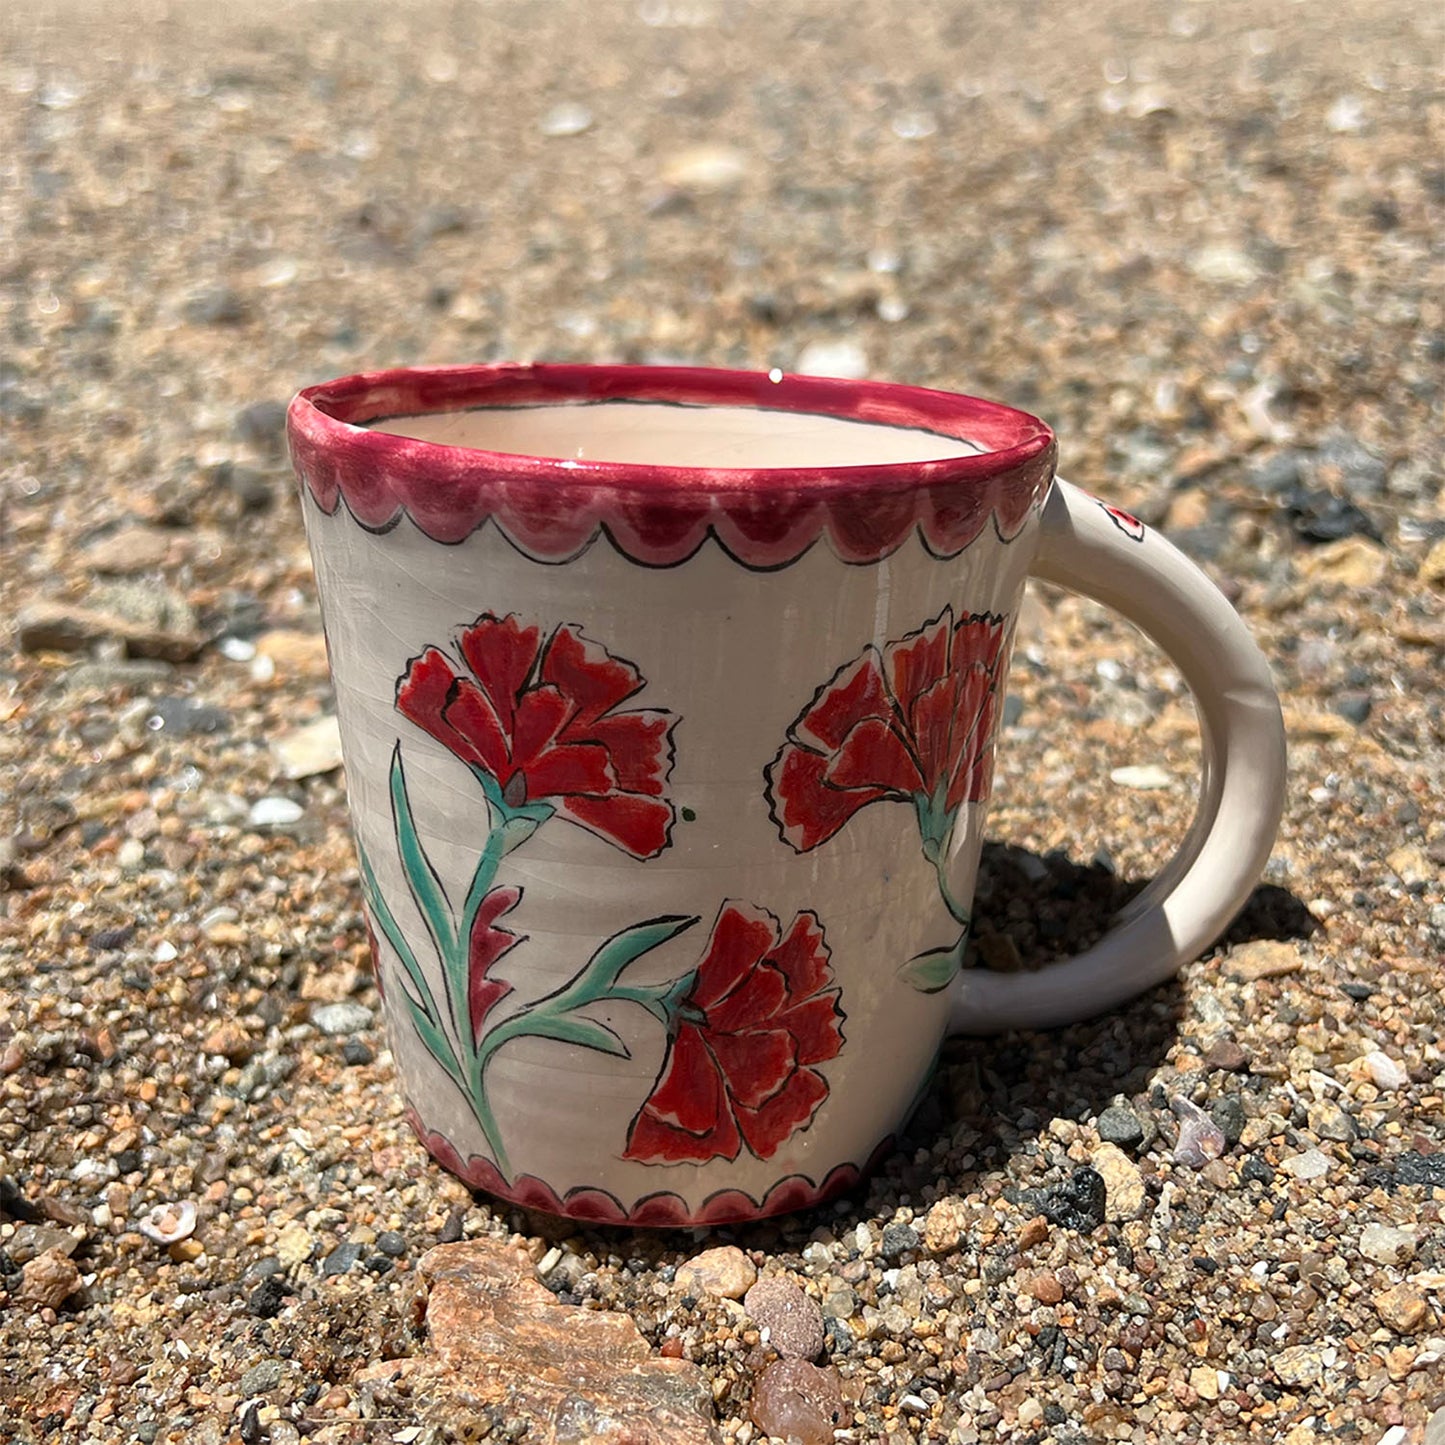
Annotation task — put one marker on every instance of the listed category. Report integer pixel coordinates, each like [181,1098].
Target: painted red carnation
[912,723]
[539,717]
[757,1015]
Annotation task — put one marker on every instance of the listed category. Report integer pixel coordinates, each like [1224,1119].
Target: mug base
[660,1210]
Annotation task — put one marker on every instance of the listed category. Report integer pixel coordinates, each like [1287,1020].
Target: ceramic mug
[668,700]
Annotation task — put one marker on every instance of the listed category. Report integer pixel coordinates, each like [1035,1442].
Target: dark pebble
[263,426]
[392,1243]
[217,306]
[1256,1171]
[380,1264]
[1354,707]
[183,716]
[1359,991]
[356,1052]
[1228,1114]
[451,1230]
[127,1161]
[1013,710]
[253,1432]
[1055,1414]
[1076,1203]
[1120,1125]
[898,1240]
[254,489]
[1280,473]
[341,1259]
[1319,516]
[267,1298]
[1416,1168]
[107,940]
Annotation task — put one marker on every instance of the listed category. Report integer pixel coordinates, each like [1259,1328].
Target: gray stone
[344,1257]
[1120,1125]
[789,1320]
[262,1377]
[336,1019]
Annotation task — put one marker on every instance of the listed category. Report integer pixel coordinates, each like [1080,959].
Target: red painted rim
[552,509]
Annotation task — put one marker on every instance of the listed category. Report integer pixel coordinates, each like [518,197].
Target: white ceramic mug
[668,700]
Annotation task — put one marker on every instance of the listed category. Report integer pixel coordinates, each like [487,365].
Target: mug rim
[553,508]
[342,414]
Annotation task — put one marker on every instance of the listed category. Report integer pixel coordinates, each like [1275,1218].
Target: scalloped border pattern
[659,1210]
[553,510]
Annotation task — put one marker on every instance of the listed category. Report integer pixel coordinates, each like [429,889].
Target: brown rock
[1125,1195]
[725,1272]
[229,1040]
[1226,1054]
[1354,562]
[135,548]
[295,653]
[501,1344]
[1404,1309]
[1045,1288]
[1264,958]
[49,1279]
[944,1226]
[792,1322]
[796,1401]
[1034,1232]
[49,626]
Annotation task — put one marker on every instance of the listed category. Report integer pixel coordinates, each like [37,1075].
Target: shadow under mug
[668,700]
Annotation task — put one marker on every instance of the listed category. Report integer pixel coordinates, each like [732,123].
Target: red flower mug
[669,700]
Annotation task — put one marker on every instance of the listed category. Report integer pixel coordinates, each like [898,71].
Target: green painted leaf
[572,1028]
[392,932]
[605,966]
[931,972]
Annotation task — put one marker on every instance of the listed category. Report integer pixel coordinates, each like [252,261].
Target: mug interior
[675,434]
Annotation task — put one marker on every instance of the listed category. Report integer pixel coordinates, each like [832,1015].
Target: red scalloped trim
[662,1210]
[659,516]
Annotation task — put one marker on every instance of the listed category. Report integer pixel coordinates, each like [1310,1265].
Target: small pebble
[1385,1072]
[798,1402]
[169,1223]
[345,1017]
[355,1052]
[567,118]
[899,1240]
[274,812]
[1404,1309]
[1142,777]
[1386,1245]
[1200,1138]
[1309,1164]
[48,1280]
[391,1243]
[788,1318]
[1120,1125]
[725,1272]
[344,1257]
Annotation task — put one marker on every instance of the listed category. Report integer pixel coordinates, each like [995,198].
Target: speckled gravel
[1197,238]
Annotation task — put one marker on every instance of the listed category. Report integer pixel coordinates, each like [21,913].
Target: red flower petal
[638,826]
[766,1129]
[755,1065]
[485,946]
[588,674]
[802,957]
[470,716]
[935,714]
[569,768]
[816,1027]
[422,695]
[919,660]
[977,706]
[688,1115]
[807,810]
[638,747]
[757,996]
[740,938]
[689,1094]
[874,756]
[501,653]
[542,713]
[977,640]
[856,691]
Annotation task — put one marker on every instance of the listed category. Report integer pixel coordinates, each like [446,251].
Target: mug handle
[1092,548]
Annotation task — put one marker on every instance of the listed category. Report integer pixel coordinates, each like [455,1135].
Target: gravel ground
[1196,237]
